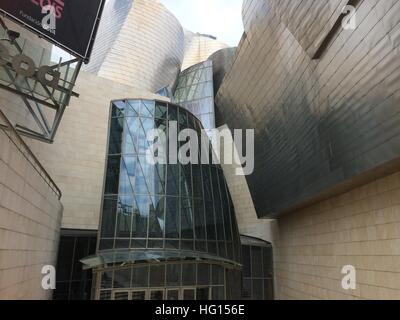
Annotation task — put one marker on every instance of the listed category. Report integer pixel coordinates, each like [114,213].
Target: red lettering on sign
[57,4]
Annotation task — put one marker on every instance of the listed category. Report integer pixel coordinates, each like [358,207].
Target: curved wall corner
[140,44]
[222,61]
[199,47]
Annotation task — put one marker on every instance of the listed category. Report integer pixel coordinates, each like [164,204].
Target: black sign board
[70,24]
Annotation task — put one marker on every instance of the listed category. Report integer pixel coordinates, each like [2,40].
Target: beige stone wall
[76,160]
[30,219]
[360,228]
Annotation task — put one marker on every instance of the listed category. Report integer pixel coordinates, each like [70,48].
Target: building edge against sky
[356,224]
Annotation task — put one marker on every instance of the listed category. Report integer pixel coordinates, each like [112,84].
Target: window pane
[122,243]
[217,204]
[122,278]
[159,179]
[140,277]
[161,111]
[187,245]
[246,261]
[112,175]
[149,174]
[127,175]
[172,218]
[133,107]
[203,274]
[138,244]
[197,181]
[118,108]
[188,274]
[212,247]
[172,113]
[116,133]
[200,223]
[109,217]
[172,244]
[186,181]
[217,275]
[174,275]
[147,108]
[188,294]
[201,246]
[145,126]
[187,218]
[173,295]
[258,289]
[157,276]
[155,244]
[256,262]
[141,215]
[246,289]
[157,219]
[124,216]
[106,280]
[210,220]
[173,180]
[131,130]
[106,244]
[141,180]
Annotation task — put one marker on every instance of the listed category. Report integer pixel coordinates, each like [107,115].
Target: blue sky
[220,18]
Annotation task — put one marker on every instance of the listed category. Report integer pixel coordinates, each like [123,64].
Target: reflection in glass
[182,209]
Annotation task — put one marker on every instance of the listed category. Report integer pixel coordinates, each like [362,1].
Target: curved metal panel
[222,61]
[319,123]
[139,43]
[199,47]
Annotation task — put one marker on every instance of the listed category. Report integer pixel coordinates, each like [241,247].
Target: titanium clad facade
[222,62]
[139,43]
[320,123]
[199,47]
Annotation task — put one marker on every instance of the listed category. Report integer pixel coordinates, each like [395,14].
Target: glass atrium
[168,231]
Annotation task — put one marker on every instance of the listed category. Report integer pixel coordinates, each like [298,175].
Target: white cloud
[220,18]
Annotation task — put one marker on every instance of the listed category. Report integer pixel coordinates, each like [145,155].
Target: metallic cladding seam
[319,123]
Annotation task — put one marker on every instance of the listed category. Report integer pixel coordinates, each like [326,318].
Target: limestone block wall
[30,220]
[359,228]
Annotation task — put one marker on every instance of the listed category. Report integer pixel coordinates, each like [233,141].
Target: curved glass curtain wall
[257,274]
[162,207]
[195,92]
